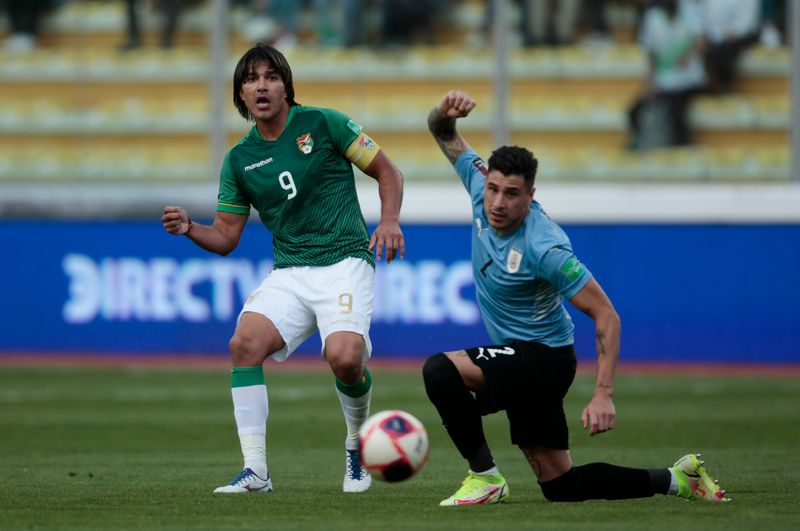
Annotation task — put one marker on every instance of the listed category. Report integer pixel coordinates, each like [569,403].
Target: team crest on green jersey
[305,143]
[514,260]
[572,269]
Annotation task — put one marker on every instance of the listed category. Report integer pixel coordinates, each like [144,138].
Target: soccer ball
[394,445]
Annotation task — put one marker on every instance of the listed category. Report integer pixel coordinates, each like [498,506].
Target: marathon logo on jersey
[305,143]
[366,142]
[514,260]
[572,269]
[258,164]
[354,127]
[481,166]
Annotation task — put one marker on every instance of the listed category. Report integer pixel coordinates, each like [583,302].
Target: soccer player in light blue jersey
[524,268]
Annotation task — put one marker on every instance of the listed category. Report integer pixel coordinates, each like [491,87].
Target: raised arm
[600,415]
[442,123]
[221,237]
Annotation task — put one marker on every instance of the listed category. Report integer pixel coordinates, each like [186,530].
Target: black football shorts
[529,381]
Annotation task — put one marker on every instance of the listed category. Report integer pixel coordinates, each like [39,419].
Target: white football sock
[356,411]
[251,410]
[673,483]
[492,471]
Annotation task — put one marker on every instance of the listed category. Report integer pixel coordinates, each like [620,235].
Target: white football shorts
[300,300]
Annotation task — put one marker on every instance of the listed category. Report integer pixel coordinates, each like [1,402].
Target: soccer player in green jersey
[524,268]
[295,168]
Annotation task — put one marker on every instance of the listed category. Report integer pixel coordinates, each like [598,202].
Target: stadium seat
[568,104]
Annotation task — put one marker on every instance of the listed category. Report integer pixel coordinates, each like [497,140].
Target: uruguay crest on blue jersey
[514,260]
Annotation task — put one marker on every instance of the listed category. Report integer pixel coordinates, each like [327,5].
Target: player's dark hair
[515,160]
[261,53]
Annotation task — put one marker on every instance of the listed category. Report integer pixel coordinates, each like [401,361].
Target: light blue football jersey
[521,279]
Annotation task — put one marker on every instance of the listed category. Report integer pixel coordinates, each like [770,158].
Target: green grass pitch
[139,448]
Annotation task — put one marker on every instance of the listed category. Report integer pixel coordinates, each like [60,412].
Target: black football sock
[459,411]
[602,481]
[660,479]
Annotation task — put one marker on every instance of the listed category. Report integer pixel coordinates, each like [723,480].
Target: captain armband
[362,151]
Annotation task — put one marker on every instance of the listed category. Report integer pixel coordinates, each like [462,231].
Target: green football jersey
[302,186]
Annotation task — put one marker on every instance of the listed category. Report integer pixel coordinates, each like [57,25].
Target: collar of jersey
[255,134]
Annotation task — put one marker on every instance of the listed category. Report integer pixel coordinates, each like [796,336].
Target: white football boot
[246,481]
[356,477]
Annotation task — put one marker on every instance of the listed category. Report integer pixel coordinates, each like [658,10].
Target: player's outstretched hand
[390,236]
[456,104]
[175,220]
[599,416]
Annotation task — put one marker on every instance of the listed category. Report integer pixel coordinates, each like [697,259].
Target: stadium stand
[78,109]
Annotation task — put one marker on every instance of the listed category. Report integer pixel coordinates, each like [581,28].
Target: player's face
[264,93]
[506,201]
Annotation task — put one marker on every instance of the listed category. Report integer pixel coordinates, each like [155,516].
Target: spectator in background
[523,26]
[553,22]
[24,17]
[773,18]
[541,22]
[355,29]
[597,22]
[278,22]
[401,19]
[672,36]
[730,27]
[170,9]
[275,21]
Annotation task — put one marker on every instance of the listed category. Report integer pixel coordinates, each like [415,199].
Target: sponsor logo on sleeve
[356,128]
[481,166]
[572,269]
[305,143]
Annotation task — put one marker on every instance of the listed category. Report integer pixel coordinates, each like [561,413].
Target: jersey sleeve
[472,170]
[230,197]
[561,269]
[350,139]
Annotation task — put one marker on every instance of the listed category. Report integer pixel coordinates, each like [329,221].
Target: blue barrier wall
[684,292]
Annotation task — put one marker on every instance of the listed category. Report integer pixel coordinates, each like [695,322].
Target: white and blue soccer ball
[394,445]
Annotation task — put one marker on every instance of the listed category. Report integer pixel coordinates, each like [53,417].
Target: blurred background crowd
[595,87]
[732,23]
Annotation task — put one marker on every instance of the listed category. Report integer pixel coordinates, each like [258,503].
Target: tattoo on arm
[444,131]
[442,127]
[601,349]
